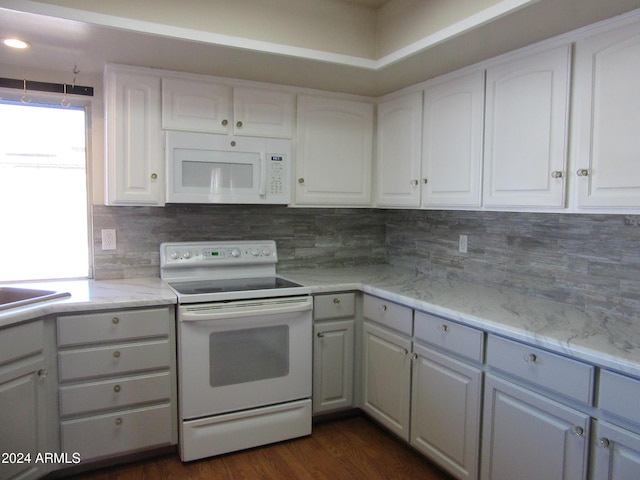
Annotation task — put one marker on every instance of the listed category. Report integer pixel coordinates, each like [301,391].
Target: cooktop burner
[231,285]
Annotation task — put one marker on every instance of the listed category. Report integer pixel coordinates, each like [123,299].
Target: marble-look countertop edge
[91,295]
[557,327]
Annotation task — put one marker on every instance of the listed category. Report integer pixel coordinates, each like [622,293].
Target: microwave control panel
[278,180]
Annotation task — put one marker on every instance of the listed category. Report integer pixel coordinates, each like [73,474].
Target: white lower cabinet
[117,382]
[333,352]
[387,378]
[527,435]
[445,411]
[615,452]
[27,412]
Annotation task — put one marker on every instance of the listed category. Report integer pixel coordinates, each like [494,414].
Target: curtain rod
[46,87]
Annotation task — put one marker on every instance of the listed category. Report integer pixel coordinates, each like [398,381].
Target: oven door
[243,354]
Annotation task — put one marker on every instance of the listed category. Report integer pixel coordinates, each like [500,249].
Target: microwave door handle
[263,175]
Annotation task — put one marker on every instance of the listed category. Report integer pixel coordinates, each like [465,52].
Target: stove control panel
[205,254]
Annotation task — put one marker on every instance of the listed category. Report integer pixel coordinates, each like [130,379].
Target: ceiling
[61,43]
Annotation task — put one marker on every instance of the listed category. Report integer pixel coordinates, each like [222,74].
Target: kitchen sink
[12,297]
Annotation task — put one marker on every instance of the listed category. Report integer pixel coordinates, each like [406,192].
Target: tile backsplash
[590,260]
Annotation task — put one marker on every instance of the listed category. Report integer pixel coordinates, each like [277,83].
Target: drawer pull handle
[320,334]
[604,442]
[115,320]
[577,431]
[116,354]
[118,421]
[531,358]
[383,308]
[443,328]
[116,389]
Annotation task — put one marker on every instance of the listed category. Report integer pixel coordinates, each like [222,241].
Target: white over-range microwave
[209,168]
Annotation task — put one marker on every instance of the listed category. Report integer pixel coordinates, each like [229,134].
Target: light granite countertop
[607,342]
[612,343]
[87,295]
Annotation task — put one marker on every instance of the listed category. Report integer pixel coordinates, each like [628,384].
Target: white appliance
[208,168]
[244,347]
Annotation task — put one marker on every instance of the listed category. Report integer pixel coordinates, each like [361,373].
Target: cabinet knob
[556,174]
[320,334]
[154,176]
[531,358]
[43,373]
[116,389]
[443,328]
[404,352]
[115,320]
[301,180]
[225,122]
[118,421]
[383,308]
[604,442]
[239,124]
[415,356]
[577,431]
[583,172]
[425,180]
[415,183]
[336,301]
[116,354]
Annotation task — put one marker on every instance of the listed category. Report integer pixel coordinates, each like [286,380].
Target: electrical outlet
[462,244]
[108,239]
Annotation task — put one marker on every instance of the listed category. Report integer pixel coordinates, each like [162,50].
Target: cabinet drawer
[114,360]
[113,326]
[334,306]
[113,394]
[553,372]
[389,314]
[121,432]
[618,395]
[449,336]
[22,340]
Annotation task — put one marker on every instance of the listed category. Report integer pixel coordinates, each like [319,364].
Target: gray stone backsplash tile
[584,260]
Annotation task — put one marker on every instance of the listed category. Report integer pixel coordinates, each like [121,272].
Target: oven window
[248,355]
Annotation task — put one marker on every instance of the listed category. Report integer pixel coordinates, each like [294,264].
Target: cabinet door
[25,416]
[526,435]
[608,115]
[526,130]
[135,158]
[616,453]
[263,113]
[333,365]
[196,105]
[452,142]
[334,151]
[398,155]
[387,378]
[445,411]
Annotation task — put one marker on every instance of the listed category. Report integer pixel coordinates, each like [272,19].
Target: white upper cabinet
[333,151]
[398,154]
[452,142]
[607,159]
[526,130]
[201,105]
[134,146]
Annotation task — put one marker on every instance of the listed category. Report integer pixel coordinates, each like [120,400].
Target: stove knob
[174,255]
[255,252]
[186,255]
[235,252]
[266,251]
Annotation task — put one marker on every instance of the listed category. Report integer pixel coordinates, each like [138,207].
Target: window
[43,192]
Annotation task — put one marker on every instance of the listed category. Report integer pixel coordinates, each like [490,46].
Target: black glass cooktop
[231,285]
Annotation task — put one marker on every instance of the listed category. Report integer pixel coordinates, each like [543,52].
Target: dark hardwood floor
[352,448]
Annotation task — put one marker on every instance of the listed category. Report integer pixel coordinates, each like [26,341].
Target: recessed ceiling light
[15,43]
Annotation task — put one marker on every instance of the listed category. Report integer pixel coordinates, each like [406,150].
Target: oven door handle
[251,310]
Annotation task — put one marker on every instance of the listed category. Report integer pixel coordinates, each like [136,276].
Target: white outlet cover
[109,239]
